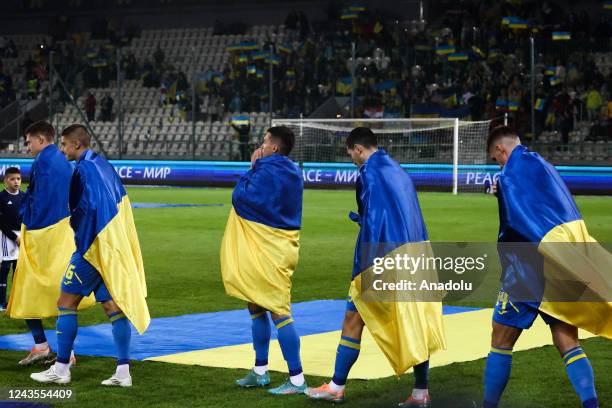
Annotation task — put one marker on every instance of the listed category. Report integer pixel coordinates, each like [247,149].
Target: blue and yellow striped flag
[47,241]
[240,120]
[561,35]
[539,104]
[513,106]
[536,207]
[501,103]
[357,7]
[258,55]
[105,235]
[347,14]
[344,85]
[555,80]
[273,59]
[607,5]
[458,56]
[260,247]
[249,45]
[550,70]
[445,49]
[390,220]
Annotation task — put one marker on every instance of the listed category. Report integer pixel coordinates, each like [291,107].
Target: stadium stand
[463,64]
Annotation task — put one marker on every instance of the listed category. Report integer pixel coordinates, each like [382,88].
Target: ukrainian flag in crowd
[240,120]
[47,241]
[259,55]
[358,7]
[105,235]
[550,70]
[273,59]
[458,56]
[249,45]
[555,80]
[607,5]
[513,106]
[445,49]
[501,103]
[233,47]
[407,332]
[260,247]
[348,14]
[536,206]
[539,104]
[344,85]
[561,35]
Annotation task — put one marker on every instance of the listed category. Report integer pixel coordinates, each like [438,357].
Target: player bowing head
[106,263]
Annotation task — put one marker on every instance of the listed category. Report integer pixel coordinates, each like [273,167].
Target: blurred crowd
[472,61]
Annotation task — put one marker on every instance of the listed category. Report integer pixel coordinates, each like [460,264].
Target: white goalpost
[439,153]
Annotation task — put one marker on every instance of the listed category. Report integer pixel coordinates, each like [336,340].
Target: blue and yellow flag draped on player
[535,206]
[47,242]
[105,234]
[260,247]
[390,218]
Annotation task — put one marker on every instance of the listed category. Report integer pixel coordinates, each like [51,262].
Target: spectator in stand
[90,106]
[593,103]
[106,108]
[159,57]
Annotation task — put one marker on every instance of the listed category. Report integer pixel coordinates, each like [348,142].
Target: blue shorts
[81,278]
[350,306]
[518,314]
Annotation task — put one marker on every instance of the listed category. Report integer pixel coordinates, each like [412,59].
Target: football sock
[261,331]
[67,327]
[289,342]
[37,330]
[497,373]
[122,333]
[348,351]
[123,371]
[581,376]
[421,379]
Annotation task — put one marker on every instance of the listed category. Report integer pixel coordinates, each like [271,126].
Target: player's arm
[77,199]
[4,226]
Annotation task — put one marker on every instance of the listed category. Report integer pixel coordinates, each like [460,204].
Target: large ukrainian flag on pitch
[535,206]
[47,242]
[390,219]
[260,247]
[105,234]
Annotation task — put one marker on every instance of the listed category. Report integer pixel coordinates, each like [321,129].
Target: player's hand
[494,187]
[18,241]
[257,154]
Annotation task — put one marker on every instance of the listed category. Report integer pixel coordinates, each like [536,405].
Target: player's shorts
[81,278]
[518,314]
[350,306]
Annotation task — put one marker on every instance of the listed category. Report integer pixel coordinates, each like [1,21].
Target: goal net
[440,154]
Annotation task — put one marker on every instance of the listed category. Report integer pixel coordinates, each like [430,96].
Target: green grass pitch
[181,254]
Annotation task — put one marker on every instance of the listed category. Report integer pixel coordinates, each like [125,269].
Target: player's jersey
[10,224]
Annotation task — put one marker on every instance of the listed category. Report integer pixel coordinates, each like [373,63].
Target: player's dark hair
[41,128]
[284,137]
[78,132]
[11,170]
[498,133]
[363,136]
